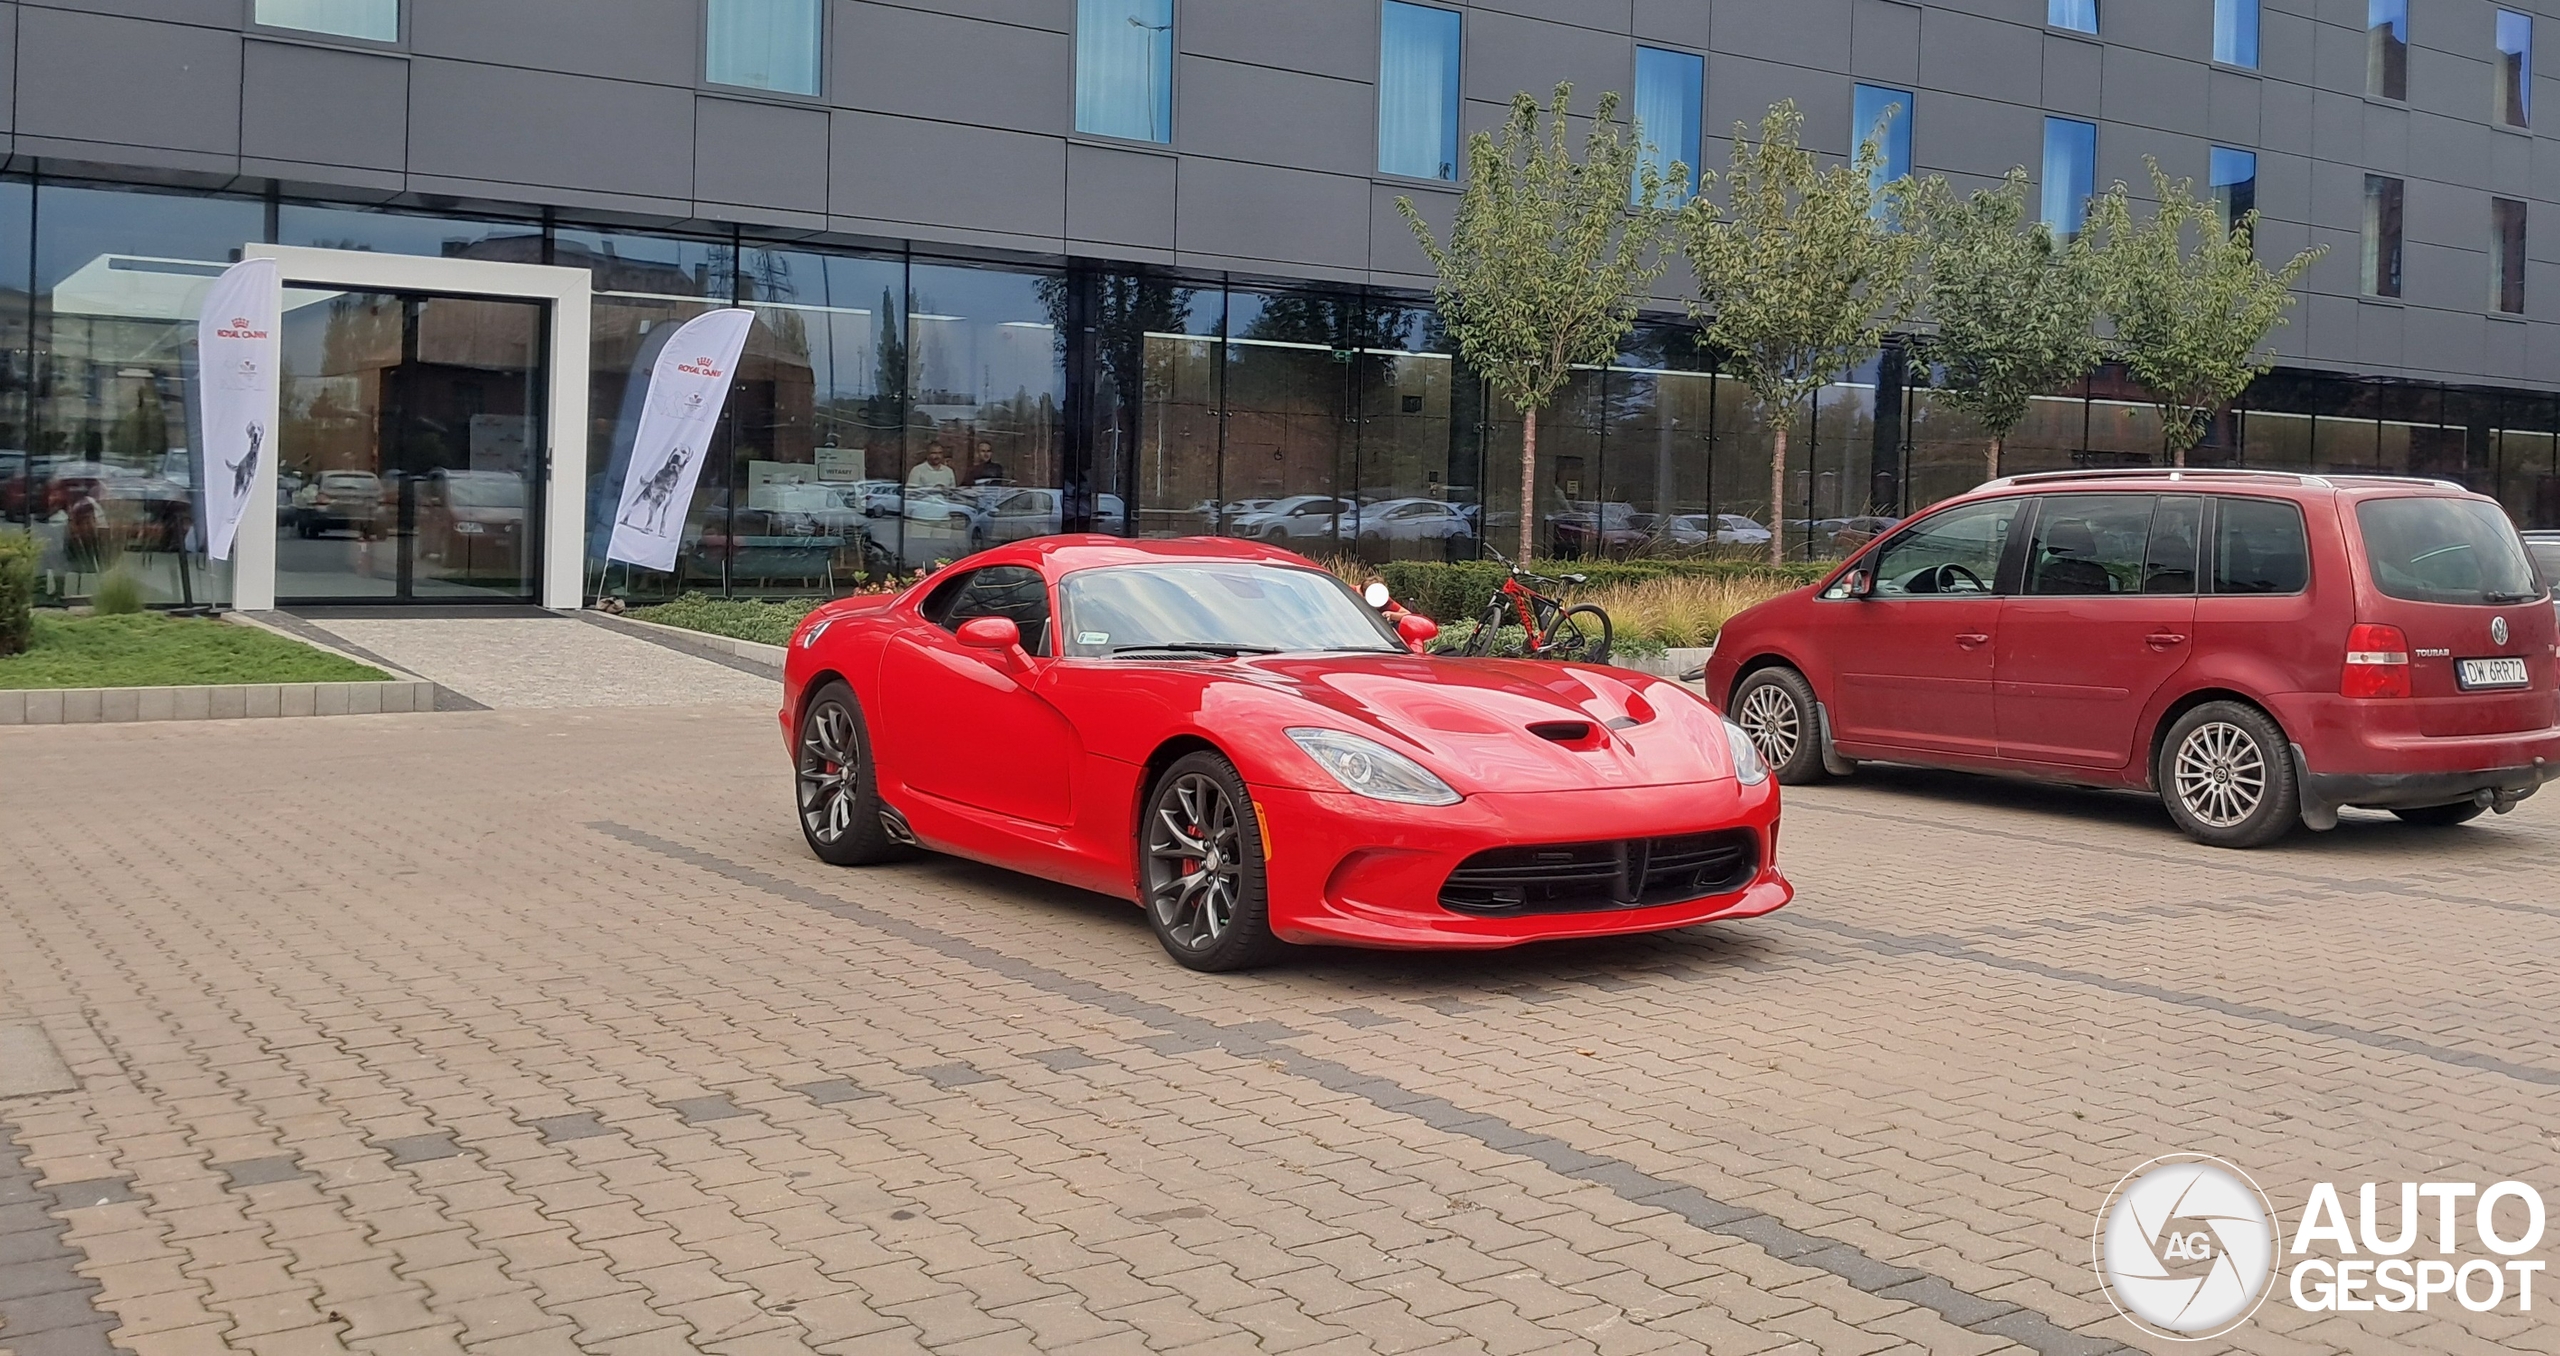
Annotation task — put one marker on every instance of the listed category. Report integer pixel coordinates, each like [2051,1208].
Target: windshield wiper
[2505,598]
[1198,647]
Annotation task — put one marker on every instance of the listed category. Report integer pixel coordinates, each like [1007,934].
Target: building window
[2235,32]
[2078,15]
[763,44]
[1418,91]
[2386,59]
[2382,202]
[2235,185]
[1869,121]
[2515,68]
[373,20]
[1124,69]
[2070,173]
[1671,91]
[2506,255]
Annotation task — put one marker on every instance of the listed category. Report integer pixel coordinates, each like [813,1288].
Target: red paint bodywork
[2078,689]
[1040,765]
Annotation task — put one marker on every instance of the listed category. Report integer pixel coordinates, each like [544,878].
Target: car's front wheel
[1201,870]
[2226,774]
[1775,706]
[838,793]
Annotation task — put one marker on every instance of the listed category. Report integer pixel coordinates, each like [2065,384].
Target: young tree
[1546,261]
[2015,310]
[1802,274]
[2189,323]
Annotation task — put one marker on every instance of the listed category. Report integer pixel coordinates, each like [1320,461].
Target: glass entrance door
[409,462]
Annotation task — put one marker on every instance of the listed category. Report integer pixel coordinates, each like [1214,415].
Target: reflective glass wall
[893,410]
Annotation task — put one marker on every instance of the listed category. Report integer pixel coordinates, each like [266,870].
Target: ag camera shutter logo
[2186,1247]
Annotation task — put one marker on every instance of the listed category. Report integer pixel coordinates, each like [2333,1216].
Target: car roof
[2284,484]
[1066,554]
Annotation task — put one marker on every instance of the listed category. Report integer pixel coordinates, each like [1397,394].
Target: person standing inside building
[987,470]
[934,472]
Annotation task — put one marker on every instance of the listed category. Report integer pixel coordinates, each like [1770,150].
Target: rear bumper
[1344,870]
[2331,791]
[2369,753]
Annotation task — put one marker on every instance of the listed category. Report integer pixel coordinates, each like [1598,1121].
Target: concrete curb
[677,637]
[1670,663]
[229,701]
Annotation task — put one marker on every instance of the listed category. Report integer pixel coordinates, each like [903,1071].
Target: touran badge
[2497,630]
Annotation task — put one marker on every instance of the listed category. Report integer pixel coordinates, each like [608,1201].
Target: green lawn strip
[148,650]
[766,623]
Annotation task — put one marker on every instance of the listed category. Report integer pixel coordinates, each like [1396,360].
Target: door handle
[2161,640]
[1972,639]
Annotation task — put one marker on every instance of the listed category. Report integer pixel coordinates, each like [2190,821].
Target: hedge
[19,553]
[1454,592]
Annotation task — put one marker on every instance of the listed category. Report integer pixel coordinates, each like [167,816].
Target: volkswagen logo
[2497,630]
[2186,1247]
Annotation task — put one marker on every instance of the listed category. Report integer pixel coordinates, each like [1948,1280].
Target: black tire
[1776,707]
[1580,634]
[1200,869]
[834,788]
[2225,773]
[1488,630]
[2441,816]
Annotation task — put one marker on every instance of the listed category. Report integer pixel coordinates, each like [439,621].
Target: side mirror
[1858,583]
[991,633]
[1417,630]
[1377,594]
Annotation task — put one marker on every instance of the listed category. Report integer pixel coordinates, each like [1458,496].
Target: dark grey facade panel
[508,125]
[1813,34]
[657,41]
[1507,54]
[324,106]
[111,81]
[1121,201]
[893,59]
[1337,38]
[1225,111]
[918,173]
[1272,216]
[752,153]
[1884,43]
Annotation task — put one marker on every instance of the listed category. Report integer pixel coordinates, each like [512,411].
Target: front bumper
[1345,870]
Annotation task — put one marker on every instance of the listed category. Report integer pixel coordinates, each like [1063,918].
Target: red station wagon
[2260,648]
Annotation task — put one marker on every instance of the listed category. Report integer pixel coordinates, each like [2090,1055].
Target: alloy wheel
[1768,714]
[1195,872]
[2220,774]
[830,771]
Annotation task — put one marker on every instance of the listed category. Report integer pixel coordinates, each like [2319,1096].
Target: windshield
[2440,550]
[1239,608]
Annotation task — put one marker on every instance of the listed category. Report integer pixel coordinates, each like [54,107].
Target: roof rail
[2322,481]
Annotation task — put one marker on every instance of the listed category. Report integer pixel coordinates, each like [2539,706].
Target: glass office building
[924,378]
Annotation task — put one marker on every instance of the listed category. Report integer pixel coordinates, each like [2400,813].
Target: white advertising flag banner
[687,387]
[237,354]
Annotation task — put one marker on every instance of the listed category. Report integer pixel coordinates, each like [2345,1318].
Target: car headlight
[1368,768]
[1748,767]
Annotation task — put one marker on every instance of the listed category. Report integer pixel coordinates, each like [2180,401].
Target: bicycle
[1571,633]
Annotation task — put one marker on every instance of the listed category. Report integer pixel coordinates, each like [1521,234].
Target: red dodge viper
[1232,738]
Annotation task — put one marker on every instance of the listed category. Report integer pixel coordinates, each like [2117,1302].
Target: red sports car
[1229,736]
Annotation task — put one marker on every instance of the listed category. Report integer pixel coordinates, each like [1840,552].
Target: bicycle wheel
[1579,635]
[1488,627]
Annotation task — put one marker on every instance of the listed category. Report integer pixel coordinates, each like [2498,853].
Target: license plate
[2480,673]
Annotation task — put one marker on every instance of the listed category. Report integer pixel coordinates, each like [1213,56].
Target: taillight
[2377,662]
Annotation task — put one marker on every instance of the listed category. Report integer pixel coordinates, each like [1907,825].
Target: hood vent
[1563,731]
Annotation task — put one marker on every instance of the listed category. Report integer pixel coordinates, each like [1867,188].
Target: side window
[2177,534]
[2259,547]
[937,601]
[2090,543]
[1014,591]
[1956,552]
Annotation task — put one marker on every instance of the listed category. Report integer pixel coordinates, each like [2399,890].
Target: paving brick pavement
[538,1030]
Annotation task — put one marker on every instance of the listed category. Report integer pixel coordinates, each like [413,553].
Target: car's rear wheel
[2441,816]
[1200,867]
[1775,706]
[2226,774]
[838,793]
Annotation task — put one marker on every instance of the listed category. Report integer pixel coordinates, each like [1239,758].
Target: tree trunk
[1992,464]
[1778,493]
[1528,485]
